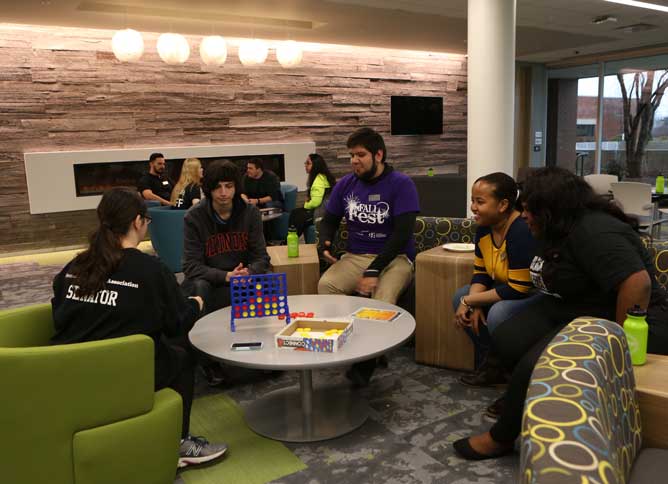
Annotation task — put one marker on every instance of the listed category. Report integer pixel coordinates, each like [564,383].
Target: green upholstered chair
[279,226]
[166,231]
[83,413]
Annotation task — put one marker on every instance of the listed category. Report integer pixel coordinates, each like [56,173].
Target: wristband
[468,306]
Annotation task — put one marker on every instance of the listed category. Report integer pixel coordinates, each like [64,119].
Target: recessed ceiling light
[634,3]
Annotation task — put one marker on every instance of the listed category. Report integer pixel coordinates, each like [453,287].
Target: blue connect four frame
[258,296]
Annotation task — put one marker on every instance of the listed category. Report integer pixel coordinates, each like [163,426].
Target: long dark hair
[117,210]
[503,188]
[557,198]
[319,166]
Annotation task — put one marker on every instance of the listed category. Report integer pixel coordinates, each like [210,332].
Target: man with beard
[380,206]
[154,185]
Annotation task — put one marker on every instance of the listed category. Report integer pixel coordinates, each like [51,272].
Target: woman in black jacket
[112,289]
[590,262]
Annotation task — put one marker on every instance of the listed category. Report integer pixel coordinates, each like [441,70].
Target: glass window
[635,119]
[572,118]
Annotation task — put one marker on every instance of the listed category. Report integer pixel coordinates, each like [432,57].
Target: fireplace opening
[95,178]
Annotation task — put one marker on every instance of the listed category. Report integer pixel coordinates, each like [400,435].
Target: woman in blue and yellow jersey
[501,283]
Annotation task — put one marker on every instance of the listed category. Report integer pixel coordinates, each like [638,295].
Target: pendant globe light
[253,52]
[127,45]
[213,50]
[173,48]
[289,54]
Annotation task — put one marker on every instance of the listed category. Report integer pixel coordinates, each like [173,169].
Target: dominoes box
[318,335]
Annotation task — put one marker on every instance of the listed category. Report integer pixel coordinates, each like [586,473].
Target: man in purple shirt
[380,206]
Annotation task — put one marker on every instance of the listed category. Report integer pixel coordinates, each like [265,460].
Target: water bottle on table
[293,242]
[660,182]
[636,329]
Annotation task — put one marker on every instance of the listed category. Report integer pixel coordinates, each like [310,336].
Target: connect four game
[259,296]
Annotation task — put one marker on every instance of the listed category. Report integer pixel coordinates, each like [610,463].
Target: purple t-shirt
[370,208]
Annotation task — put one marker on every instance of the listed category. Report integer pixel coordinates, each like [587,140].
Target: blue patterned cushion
[581,417]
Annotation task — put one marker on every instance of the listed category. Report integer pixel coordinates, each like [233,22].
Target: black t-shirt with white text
[184,199]
[599,253]
[160,186]
[140,297]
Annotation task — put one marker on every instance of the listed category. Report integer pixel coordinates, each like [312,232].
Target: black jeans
[301,218]
[519,342]
[215,297]
[182,380]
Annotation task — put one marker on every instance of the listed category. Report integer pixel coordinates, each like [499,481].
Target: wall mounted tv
[417,115]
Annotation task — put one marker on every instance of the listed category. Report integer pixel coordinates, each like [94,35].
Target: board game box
[318,335]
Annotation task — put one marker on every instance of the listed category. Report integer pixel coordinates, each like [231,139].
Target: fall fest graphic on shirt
[366,213]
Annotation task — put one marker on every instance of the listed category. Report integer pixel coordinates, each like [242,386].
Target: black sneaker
[213,374]
[494,410]
[197,450]
[361,372]
[489,374]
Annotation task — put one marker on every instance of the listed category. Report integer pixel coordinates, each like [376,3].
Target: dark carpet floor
[416,413]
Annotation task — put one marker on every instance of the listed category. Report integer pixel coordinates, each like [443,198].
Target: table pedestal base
[304,415]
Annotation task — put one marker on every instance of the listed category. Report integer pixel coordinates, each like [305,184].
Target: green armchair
[82,413]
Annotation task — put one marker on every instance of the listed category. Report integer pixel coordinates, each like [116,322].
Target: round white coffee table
[304,414]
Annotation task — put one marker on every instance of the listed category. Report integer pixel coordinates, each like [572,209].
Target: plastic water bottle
[293,242]
[636,329]
[430,172]
[660,181]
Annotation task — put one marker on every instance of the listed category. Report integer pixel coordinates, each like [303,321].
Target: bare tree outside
[640,100]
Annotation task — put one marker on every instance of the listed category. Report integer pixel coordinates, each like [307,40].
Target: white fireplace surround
[50,175]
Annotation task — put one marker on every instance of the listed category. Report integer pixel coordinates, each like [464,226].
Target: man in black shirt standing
[261,187]
[154,185]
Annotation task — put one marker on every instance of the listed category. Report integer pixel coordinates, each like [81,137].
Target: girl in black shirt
[112,290]
[188,190]
[591,262]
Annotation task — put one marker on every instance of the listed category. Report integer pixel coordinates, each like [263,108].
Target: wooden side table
[438,274]
[302,273]
[652,393]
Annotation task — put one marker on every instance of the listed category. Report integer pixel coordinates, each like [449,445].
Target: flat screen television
[416,115]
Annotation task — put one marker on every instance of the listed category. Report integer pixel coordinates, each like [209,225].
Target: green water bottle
[660,181]
[430,172]
[293,242]
[636,329]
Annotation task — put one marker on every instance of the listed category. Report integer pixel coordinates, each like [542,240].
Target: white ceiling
[547,30]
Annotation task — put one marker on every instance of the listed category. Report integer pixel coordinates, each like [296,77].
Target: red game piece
[310,315]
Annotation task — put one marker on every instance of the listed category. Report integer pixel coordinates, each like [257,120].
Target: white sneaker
[197,450]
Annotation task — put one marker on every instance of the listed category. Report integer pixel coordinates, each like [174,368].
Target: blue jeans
[495,314]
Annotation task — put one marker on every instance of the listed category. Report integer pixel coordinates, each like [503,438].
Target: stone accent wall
[62,89]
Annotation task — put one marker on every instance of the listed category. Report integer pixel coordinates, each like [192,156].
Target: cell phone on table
[251,345]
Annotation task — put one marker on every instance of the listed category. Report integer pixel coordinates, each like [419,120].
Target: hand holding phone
[252,345]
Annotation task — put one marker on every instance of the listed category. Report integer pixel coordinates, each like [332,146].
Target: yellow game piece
[306,329]
[252,313]
[258,286]
[274,311]
[252,306]
[244,314]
